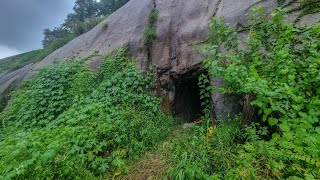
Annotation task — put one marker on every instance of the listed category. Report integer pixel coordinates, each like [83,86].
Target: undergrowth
[279,65]
[16,62]
[150,31]
[5,98]
[51,47]
[306,7]
[72,123]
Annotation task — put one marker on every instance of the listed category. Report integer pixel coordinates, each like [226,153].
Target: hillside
[179,26]
[185,89]
[15,62]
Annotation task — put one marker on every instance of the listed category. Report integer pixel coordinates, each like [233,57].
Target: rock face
[181,23]
[124,27]
[175,59]
[12,79]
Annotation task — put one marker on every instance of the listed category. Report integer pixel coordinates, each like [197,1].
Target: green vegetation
[305,6]
[52,35]
[6,97]
[51,47]
[280,66]
[205,152]
[281,2]
[73,30]
[150,31]
[19,61]
[87,14]
[85,26]
[72,123]
[15,62]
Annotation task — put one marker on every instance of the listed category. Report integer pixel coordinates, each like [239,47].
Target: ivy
[279,65]
[150,31]
[305,6]
[72,123]
[205,94]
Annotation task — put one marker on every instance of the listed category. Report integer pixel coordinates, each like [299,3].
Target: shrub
[15,62]
[150,31]
[80,28]
[20,60]
[54,34]
[305,7]
[205,152]
[280,66]
[51,47]
[70,123]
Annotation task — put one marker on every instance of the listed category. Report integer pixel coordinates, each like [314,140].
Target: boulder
[181,28]
[181,25]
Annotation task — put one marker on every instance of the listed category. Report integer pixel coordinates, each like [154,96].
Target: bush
[51,47]
[150,31]
[305,7]
[79,27]
[280,66]
[71,123]
[15,62]
[54,34]
[19,61]
[205,152]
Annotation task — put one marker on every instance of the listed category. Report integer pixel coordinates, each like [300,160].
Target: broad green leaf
[48,156]
[284,126]
[272,121]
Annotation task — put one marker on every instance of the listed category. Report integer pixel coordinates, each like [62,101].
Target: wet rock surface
[181,28]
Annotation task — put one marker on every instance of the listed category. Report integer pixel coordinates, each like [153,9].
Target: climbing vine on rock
[150,31]
[279,65]
[72,123]
[305,6]
[205,94]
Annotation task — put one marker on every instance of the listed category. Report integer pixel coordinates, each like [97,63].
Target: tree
[109,6]
[52,35]
[87,14]
[86,9]
[69,22]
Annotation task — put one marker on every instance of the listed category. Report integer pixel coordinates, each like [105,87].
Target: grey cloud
[22,21]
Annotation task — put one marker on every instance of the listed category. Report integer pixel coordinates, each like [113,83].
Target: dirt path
[154,165]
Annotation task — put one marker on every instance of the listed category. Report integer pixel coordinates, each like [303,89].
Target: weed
[150,31]
[280,66]
[70,123]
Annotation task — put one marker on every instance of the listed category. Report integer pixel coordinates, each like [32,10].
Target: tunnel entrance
[187,104]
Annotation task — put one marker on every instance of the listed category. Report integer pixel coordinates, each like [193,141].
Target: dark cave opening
[187,104]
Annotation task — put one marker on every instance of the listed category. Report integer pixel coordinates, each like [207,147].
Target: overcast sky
[22,23]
